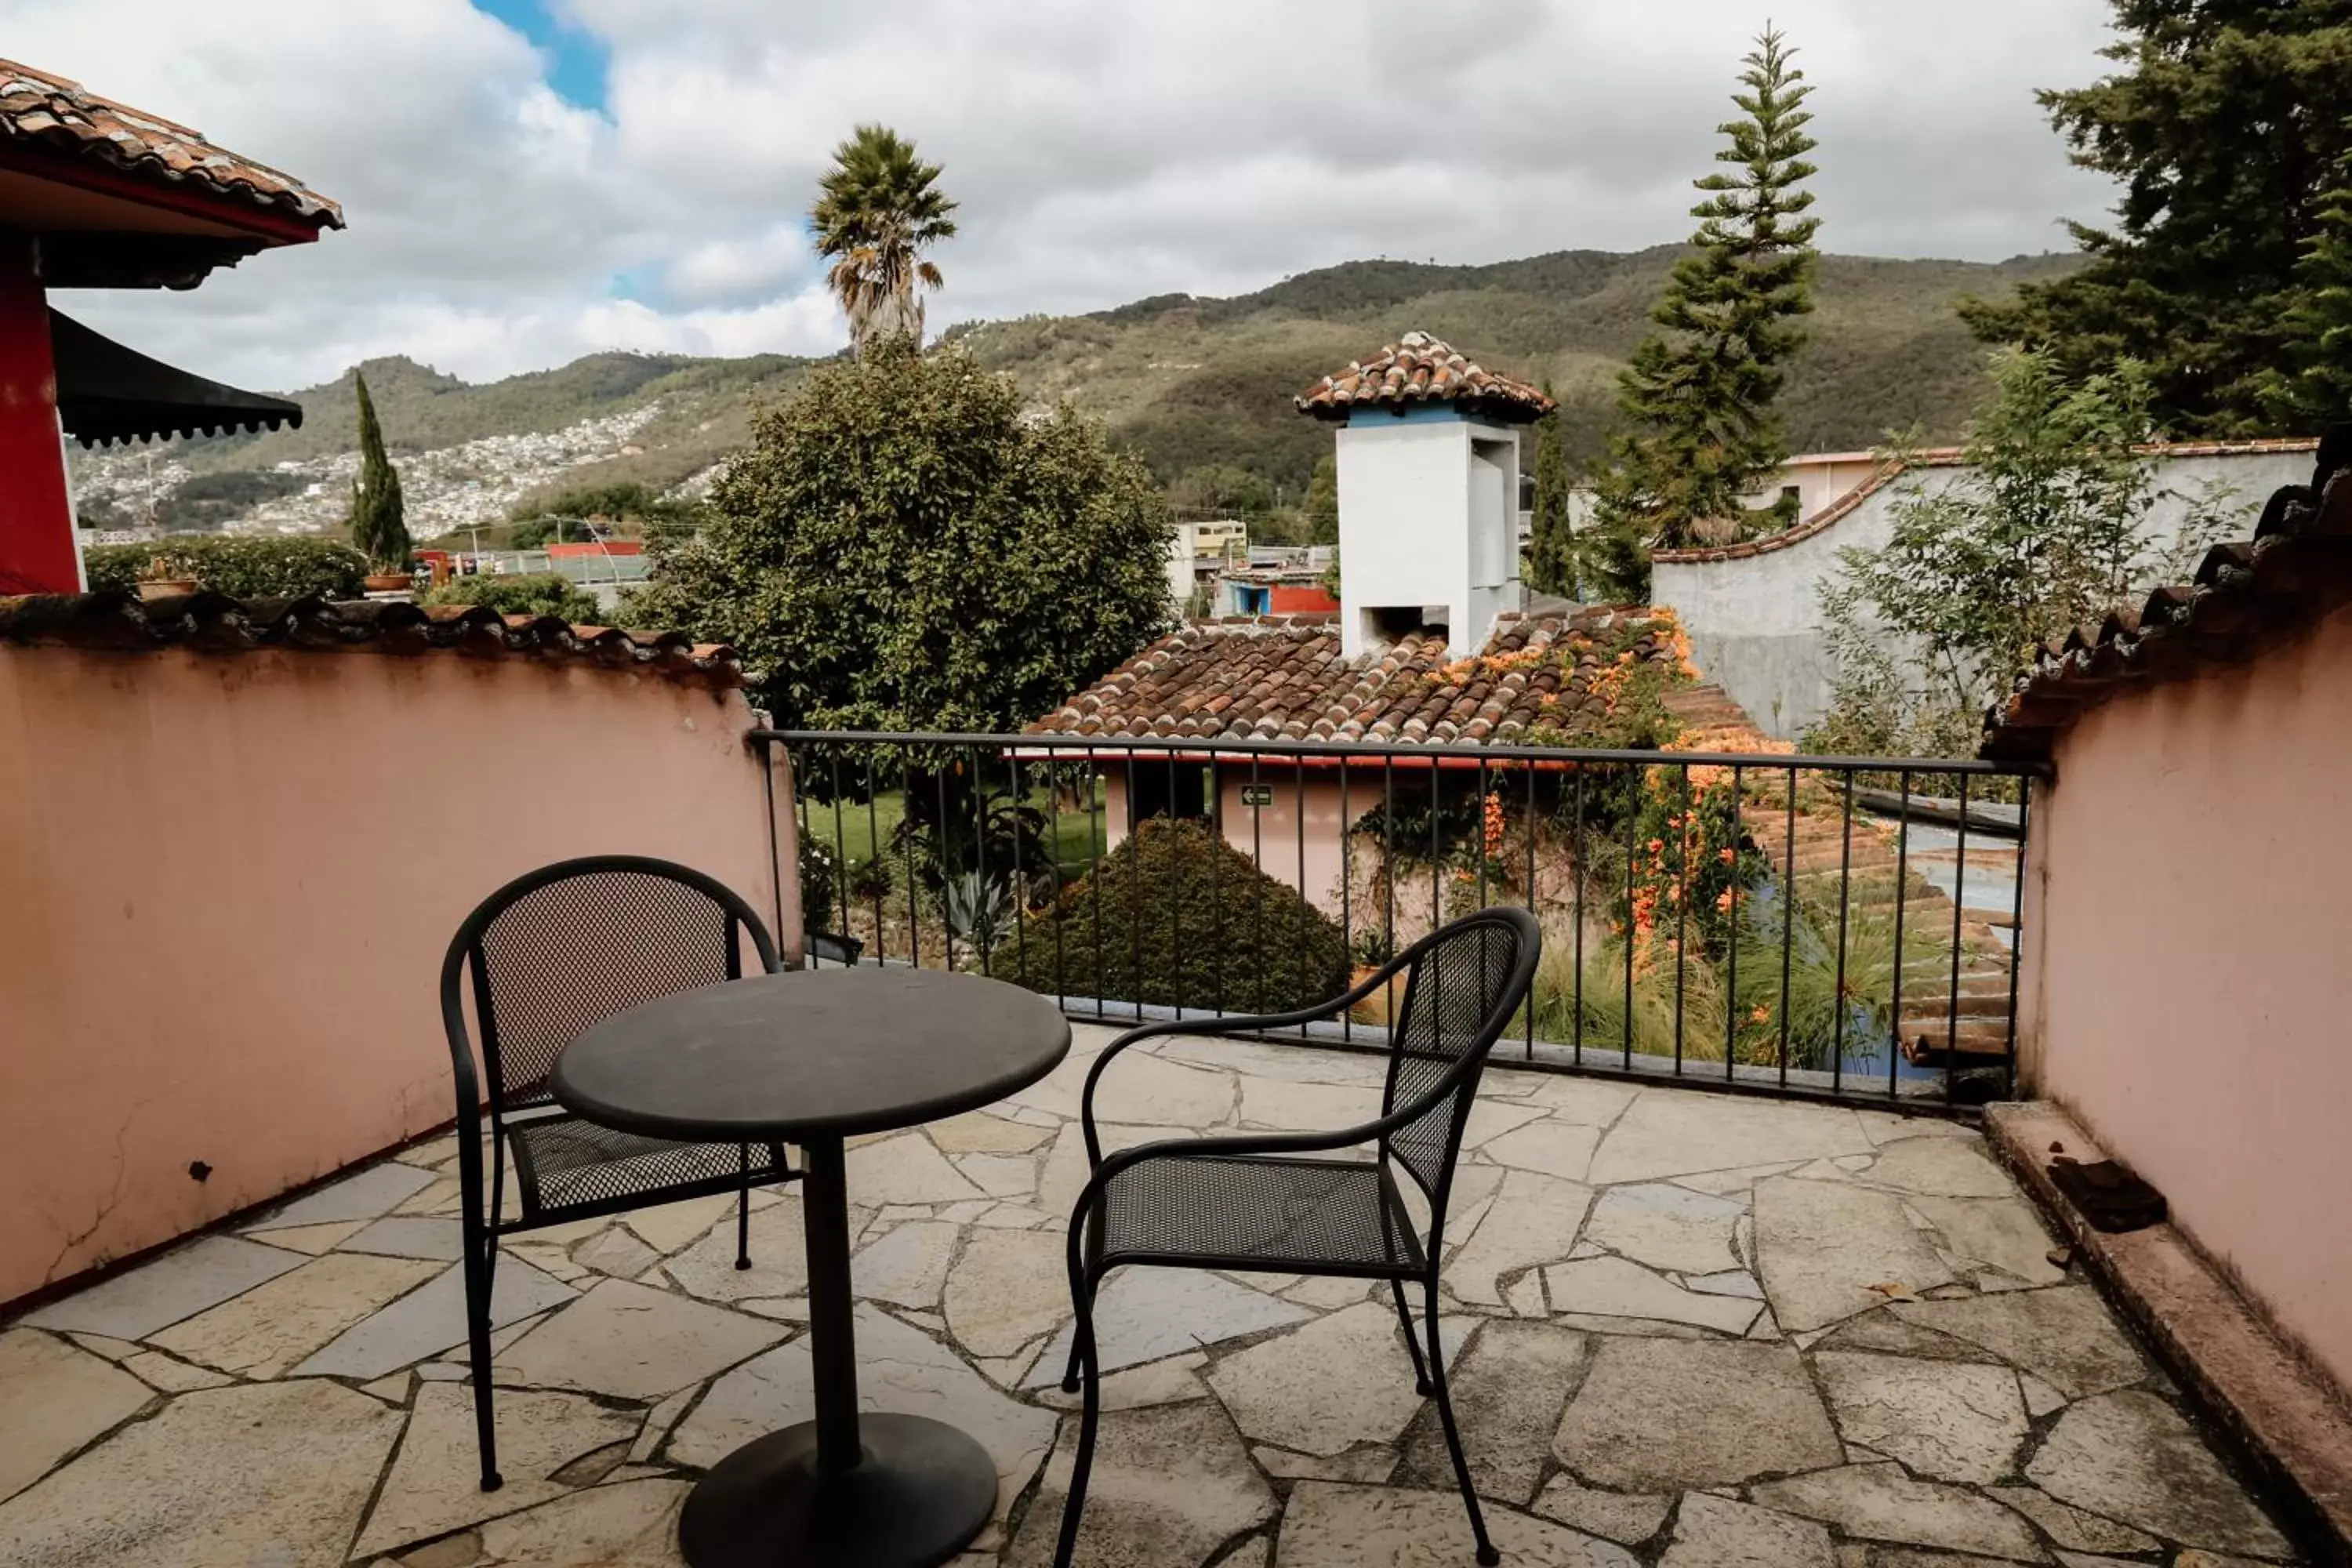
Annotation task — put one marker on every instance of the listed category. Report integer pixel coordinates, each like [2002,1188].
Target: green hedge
[1175,915]
[247,568]
[522,594]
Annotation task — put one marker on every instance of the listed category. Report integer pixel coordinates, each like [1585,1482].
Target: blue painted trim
[1410,414]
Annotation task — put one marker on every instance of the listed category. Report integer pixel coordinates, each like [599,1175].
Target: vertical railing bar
[1731,968]
[1846,897]
[1436,851]
[947,867]
[1788,922]
[1388,856]
[914,892]
[2016,934]
[1578,860]
[1481,819]
[1530,1049]
[1687,843]
[1175,902]
[1216,787]
[980,835]
[1298,932]
[1632,860]
[1959,904]
[840,843]
[1902,891]
[874,849]
[1020,884]
[1098,845]
[1135,821]
[1347,896]
[1257,864]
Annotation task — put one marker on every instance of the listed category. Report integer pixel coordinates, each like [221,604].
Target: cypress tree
[2224,125]
[378,532]
[1697,431]
[1551,542]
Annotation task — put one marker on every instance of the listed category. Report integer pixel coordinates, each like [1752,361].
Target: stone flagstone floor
[1686,1330]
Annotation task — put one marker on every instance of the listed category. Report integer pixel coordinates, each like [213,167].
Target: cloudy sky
[527,181]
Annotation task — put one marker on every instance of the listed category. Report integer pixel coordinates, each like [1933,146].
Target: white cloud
[1100,153]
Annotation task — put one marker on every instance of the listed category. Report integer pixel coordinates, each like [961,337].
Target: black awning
[107,393]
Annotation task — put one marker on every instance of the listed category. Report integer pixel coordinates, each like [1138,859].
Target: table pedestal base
[923,1491]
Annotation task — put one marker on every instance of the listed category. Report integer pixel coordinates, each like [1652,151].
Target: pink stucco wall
[2187,986]
[226,881]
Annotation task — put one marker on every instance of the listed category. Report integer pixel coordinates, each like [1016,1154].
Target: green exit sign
[1257,795]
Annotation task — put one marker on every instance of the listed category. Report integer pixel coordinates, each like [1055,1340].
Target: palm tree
[876,208]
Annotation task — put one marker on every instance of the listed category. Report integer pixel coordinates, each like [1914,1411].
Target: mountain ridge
[1189,381]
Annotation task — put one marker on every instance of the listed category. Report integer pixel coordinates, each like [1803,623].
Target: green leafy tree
[2225,124]
[1698,432]
[1323,502]
[2314,388]
[377,529]
[522,594]
[877,208]
[2046,526]
[1551,540]
[899,548]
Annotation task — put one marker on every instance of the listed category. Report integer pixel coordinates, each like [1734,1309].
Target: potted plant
[158,579]
[1372,948]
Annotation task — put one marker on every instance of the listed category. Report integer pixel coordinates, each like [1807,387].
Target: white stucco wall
[1755,620]
[1426,521]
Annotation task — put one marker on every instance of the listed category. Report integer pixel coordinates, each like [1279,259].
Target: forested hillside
[1191,383]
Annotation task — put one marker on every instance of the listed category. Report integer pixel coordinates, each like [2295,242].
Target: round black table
[811,1058]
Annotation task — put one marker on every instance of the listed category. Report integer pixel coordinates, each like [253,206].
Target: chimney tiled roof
[1418,369]
[1283,680]
[205,622]
[52,111]
[2247,596]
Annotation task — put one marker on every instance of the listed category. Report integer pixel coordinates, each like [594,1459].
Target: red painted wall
[1304,601]
[37,547]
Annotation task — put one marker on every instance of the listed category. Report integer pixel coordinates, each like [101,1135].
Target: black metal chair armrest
[1232,1024]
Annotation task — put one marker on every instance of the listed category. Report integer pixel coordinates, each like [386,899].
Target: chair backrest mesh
[1458,997]
[573,951]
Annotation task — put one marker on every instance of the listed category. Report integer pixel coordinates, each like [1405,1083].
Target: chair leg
[481,1257]
[1083,1362]
[1488,1555]
[1421,1383]
[743,1211]
[1082,1336]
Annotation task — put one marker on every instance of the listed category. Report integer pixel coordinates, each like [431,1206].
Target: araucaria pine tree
[1551,545]
[378,530]
[1698,432]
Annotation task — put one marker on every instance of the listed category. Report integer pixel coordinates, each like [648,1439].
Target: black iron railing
[1835,927]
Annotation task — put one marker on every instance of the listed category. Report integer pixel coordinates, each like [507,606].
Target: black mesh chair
[550,954]
[1263,1202]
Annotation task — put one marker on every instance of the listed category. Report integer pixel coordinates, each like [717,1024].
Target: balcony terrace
[1688,1327]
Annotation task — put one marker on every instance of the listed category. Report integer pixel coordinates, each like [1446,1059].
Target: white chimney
[1429,466]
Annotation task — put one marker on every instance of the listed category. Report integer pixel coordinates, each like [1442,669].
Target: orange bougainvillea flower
[1760,1015]
[1723,901]
[1727,856]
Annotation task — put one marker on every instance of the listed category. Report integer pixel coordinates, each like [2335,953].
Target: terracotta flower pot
[1382,1006]
[388,582]
[167,588]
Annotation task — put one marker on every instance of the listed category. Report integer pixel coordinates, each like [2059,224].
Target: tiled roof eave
[210,622]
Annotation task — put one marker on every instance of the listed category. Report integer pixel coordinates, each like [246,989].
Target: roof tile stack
[1417,369]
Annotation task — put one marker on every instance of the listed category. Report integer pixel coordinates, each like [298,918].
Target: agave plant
[979,909]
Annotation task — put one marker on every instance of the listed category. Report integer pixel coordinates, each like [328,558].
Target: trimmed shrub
[247,568]
[522,594]
[1175,915]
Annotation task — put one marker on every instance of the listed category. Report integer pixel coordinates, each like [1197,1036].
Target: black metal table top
[824,1053]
